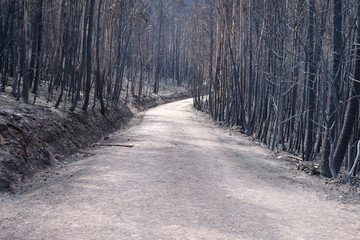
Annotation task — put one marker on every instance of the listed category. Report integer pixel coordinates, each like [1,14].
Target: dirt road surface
[184,178]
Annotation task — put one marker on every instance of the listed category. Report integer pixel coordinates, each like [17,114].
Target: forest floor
[36,139]
[175,174]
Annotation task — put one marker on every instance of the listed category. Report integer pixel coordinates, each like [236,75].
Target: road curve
[184,178]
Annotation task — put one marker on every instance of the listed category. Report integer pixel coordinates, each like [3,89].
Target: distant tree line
[90,50]
[287,72]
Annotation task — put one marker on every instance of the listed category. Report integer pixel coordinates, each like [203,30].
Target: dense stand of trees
[287,72]
[89,51]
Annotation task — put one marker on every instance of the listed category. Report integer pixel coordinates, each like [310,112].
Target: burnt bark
[351,111]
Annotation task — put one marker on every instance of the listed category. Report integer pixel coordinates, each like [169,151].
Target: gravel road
[184,178]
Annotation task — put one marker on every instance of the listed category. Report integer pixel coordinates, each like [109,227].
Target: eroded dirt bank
[35,139]
[183,178]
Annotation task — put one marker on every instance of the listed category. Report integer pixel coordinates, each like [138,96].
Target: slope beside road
[174,175]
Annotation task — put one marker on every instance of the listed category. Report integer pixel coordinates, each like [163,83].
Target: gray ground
[184,178]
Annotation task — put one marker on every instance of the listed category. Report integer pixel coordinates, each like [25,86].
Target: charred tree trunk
[88,56]
[311,82]
[83,61]
[351,111]
[24,57]
[159,60]
[38,40]
[333,87]
[99,77]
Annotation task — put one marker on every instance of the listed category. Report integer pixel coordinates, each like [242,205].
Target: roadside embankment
[36,139]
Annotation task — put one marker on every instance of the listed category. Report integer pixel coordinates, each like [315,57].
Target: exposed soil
[174,174]
[36,139]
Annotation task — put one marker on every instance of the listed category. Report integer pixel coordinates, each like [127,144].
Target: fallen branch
[114,145]
[294,157]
